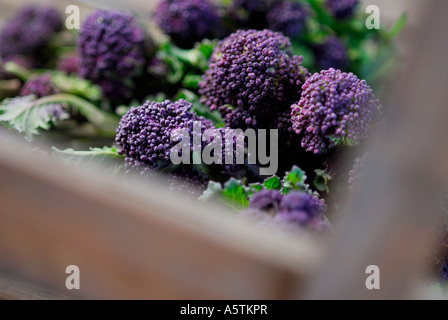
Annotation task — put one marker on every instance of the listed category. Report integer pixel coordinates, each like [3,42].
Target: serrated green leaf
[28,115]
[255,187]
[235,194]
[106,157]
[272,183]
[295,180]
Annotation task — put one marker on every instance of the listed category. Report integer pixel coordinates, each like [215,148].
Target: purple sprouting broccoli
[144,132]
[300,208]
[29,32]
[266,200]
[288,17]
[252,78]
[111,47]
[231,161]
[20,60]
[336,108]
[342,9]
[187,21]
[294,211]
[39,85]
[331,54]
[187,181]
[69,63]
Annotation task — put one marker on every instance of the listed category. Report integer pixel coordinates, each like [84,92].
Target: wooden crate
[135,241]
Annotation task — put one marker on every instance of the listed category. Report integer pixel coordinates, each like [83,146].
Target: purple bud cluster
[342,9]
[266,200]
[187,21]
[236,151]
[39,85]
[331,54]
[295,210]
[144,132]
[288,17]
[69,63]
[335,108]
[300,208]
[187,181]
[29,31]
[252,77]
[111,46]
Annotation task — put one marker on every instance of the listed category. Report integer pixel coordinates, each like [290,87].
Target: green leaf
[255,187]
[272,183]
[321,180]
[295,180]
[191,81]
[235,194]
[206,47]
[107,157]
[213,191]
[28,115]
[106,123]
[77,86]
[186,63]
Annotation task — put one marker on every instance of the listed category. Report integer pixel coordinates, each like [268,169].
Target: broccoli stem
[17,70]
[106,123]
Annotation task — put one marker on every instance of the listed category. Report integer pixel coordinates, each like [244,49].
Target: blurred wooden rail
[134,242]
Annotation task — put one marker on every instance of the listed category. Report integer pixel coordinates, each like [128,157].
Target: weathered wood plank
[16,289]
[131,241]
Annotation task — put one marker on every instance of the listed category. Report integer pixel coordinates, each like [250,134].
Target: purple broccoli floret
[187,21]
[331,54]
[29,31]
[144,132]
[187,181]
[342,9]
[39,85]
[266,200]
[252,77]
[288,17]
[336,108]
[295,211]
[69,63]
[111,47]
[300,208]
